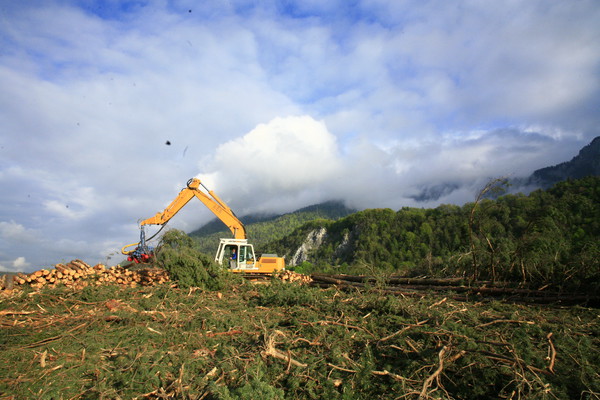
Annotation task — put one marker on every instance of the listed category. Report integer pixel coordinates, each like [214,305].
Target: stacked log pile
[286,275]
[78,274]
[291,276]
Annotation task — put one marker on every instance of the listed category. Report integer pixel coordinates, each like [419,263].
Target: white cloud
[10,230]
[20,263]
[279,159]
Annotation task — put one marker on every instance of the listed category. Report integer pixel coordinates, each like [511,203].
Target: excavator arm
[209,199]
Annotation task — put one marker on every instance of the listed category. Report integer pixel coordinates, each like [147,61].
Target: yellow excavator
[237,252]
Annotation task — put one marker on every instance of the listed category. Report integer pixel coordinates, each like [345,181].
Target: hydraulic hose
[127,252]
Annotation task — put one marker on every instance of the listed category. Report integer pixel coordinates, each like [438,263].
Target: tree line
[549,237]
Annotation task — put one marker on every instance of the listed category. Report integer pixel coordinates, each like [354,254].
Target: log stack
[78,274]
[291,276]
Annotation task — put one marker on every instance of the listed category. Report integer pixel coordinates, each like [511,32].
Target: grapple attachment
[142,253]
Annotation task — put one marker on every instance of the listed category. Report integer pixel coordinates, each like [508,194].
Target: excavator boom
[210,200]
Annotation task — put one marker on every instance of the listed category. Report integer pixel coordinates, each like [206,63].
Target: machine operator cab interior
[236,254]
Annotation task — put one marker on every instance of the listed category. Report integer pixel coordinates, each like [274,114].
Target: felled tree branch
[552,351]
[403,330]
[271,350]
[438,371]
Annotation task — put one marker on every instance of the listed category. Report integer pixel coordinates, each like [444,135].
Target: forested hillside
[548,237]
[262,229]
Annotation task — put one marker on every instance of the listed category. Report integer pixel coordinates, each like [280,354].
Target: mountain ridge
[585,163]
[264,228]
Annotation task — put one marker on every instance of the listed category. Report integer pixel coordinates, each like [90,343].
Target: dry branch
[228,333]
[13,312]
[342,369]
[515,361]
[401,331]
[552,351]
[271,350]
[391,375]
[507,321]
[435,374]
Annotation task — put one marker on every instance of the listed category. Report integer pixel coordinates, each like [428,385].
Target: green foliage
[255,388]
[189,267]
[546,238]
[165,342]
[279,294]
[304,268]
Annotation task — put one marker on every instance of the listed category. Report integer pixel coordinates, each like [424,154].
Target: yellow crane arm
[210,200]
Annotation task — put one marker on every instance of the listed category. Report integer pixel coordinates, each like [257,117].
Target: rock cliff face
[343,246]
[313,240]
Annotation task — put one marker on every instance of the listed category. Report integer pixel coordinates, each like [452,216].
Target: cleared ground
[285,340]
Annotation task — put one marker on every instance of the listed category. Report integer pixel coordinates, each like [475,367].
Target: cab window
[246,254]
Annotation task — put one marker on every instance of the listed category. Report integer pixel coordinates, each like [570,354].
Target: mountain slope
[586,163]
[262,229]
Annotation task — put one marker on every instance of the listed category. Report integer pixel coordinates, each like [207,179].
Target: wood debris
[462,290]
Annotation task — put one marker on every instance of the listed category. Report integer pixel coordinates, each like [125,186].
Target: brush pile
[78,274]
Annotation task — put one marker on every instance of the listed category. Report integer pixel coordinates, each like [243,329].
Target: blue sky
[275,105]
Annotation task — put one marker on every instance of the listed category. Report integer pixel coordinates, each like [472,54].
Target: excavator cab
[246,259]
[235,254]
